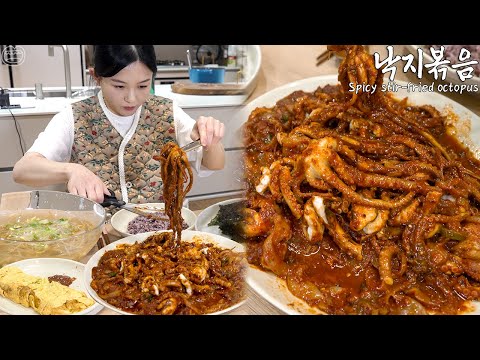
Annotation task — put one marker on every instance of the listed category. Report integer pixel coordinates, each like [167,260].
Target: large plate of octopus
[377,253]
[153,274]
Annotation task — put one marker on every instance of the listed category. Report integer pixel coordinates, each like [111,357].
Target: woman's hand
[33,169]
[83,182]
[209,130]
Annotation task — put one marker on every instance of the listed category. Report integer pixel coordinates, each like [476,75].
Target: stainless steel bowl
[50,204]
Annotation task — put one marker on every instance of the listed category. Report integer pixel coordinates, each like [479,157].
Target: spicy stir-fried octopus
[164,275]
[364,204]
[160,277]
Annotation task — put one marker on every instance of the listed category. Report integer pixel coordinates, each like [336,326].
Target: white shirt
[56,141]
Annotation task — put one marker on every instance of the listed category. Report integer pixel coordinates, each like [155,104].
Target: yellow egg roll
[45,297]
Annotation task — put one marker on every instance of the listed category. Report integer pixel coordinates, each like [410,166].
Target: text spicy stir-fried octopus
[364,204]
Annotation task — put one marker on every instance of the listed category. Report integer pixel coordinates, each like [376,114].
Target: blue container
[207,74]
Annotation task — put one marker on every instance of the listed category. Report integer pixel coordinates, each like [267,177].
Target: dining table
[254,304]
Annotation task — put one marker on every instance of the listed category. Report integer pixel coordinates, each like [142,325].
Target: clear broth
[42,225]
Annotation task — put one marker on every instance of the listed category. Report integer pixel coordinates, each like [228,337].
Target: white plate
[187,235]
[275,291]
[45,267]
[452,75]
[121,218]
[266,284]
[208,214]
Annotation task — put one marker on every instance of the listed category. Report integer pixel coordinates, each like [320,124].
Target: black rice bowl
[143,224]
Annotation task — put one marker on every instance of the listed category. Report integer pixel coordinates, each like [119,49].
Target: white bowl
[187,235]
[121,218]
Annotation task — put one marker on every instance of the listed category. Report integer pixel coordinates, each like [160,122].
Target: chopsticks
[100,243]
[191,146]
[327,54]
[324,56]
[104,240]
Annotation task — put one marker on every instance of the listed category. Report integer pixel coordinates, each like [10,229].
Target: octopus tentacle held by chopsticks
[176,172]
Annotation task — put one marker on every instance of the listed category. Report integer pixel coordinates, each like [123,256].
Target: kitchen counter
[53,105]
[32,106]
[198,101]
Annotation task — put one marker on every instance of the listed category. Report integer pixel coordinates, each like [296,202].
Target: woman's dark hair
[108,60]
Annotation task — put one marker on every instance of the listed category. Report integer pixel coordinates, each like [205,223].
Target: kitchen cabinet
[229,116]
[8,185]
[4,76]
[229,180]
[29,127]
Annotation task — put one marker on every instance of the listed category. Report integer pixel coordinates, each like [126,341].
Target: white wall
[4,78]
[38,67]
